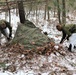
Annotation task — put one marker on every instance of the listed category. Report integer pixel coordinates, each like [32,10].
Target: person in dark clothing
[67,31]
[3,25]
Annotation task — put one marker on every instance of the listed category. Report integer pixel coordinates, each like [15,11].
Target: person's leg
[5,33]
[72,41]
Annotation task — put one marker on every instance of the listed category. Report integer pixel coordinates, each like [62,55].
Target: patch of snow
[56,47]
[50,28]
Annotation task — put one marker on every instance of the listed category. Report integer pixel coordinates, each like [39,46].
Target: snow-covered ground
[45,65]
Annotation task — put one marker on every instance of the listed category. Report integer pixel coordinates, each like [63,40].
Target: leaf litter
[50,58]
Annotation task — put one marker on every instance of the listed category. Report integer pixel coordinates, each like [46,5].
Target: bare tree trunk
[9,12]
[58,8]
[54,10]
[48,15]
[45,12]
[36,13]
[16,9]
[21,11]
[63,13]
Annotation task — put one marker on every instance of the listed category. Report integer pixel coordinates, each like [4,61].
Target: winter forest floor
[50,59]
[15,60]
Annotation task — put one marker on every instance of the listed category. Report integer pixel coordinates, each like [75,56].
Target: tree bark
[48,15]
[45,12]
[63,13]
[21,11]
[8,12]
[36,13]
[58,8]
